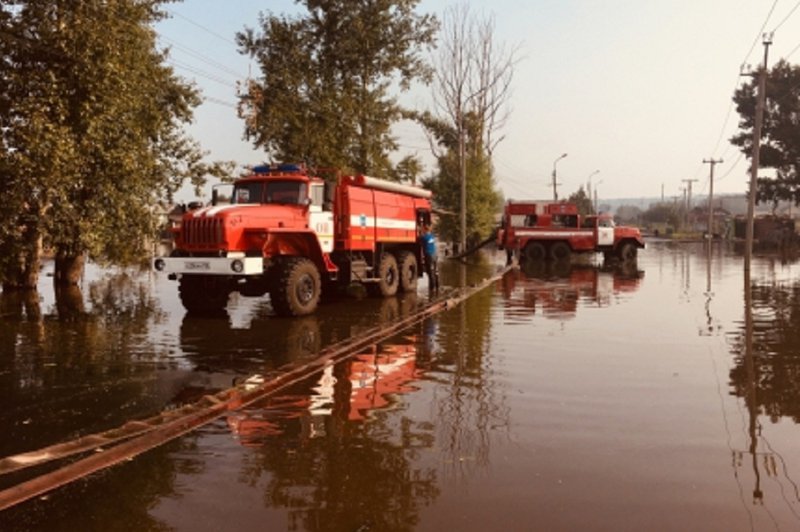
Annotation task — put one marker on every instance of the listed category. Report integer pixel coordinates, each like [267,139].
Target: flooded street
[580,398]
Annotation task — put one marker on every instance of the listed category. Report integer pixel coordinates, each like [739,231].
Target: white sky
[639,90]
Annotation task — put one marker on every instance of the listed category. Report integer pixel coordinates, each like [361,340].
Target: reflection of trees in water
[776,351]
[120,498]
[468,405]
[78,368]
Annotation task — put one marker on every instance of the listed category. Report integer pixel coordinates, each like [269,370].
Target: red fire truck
[540,230]
[291,234]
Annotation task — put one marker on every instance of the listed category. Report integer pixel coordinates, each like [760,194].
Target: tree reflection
[766,371]
[79,367]
[468,405]
[775,312]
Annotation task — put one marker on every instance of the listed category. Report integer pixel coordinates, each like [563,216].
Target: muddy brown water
[580,398]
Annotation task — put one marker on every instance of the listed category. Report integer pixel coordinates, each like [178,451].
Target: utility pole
[713,162]
[555,184]
[754,158]
[462,174]
[689,197]
[685,216]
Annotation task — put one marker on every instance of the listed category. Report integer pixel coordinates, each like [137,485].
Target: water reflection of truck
[348,391]
[556,291]
[555,230]
[292,234]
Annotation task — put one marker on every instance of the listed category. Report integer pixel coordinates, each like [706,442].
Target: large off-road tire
[560,251]
[297,289]
[535,251]
[627,251]
[388,278]
[204,294]
[409,271]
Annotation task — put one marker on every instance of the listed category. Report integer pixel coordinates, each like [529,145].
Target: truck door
[320,220]
[605,232]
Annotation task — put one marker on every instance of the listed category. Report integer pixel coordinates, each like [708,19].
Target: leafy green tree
[662,213]
[324,93]
[91,122]
[483,199]
[628,214]
[582,200]
[780,141]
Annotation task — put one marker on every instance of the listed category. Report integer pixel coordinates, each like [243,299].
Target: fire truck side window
[530,220]
[317,195]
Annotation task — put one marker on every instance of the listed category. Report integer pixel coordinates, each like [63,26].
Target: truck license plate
[197,265]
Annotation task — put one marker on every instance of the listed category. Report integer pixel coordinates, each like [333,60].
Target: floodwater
[582,398]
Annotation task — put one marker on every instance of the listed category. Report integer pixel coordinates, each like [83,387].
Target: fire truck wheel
[560,251]
[388,276]
[627,251]
[203,294]
[535,251]
[298,288]
[407,264]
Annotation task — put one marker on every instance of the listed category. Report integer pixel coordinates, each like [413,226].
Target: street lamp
[595,195]
[589,184]
[555,191]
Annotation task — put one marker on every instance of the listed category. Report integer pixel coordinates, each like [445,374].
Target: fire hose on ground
[133,438]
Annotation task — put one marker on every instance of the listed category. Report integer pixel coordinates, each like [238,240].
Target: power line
[787,56]
[761,31]
[204,28]
[750,51]
[217,101]
[201,57]
[201,73]
[791,12]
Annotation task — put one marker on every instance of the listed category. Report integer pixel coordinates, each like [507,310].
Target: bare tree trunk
[23,273]
[69,302]
[68,269]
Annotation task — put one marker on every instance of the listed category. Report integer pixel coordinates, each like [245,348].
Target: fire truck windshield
[287,192]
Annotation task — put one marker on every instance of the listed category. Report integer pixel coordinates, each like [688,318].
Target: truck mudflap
[233,264]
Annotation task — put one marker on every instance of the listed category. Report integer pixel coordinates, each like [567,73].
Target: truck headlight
[237,266]
[159,264]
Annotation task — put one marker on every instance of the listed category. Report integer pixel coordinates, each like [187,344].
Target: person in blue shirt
[430,258]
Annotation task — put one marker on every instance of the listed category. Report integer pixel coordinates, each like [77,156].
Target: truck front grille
[202,232]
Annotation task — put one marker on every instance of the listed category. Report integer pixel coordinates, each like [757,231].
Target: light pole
[595,195]
[589,185]
[555,191]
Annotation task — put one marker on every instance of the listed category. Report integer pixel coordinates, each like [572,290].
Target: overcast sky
[639,90]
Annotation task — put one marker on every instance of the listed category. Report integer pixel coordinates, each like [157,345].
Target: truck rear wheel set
[388,278]
[407,264]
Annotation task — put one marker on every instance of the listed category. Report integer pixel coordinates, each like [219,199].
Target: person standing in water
[430,257]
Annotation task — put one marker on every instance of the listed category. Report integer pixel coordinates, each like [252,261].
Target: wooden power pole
[754,158]
[713,162]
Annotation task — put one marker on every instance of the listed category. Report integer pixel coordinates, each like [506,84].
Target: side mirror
[214,196]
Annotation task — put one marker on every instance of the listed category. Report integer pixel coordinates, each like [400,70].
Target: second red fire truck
[540,230]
